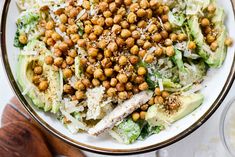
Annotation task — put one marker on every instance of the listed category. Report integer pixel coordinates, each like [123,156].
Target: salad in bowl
[129,68]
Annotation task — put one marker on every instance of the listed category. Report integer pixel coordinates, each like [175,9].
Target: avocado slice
[156,116]
[50,100]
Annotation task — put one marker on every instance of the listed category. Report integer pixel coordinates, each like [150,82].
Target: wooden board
[15,113]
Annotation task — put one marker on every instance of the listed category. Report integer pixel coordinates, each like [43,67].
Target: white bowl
[217,84]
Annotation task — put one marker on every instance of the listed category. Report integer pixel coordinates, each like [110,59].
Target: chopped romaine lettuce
[189,73]
[149,130]
[176,19]
[128,131]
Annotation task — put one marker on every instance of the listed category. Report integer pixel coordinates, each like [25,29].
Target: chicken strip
[120,112]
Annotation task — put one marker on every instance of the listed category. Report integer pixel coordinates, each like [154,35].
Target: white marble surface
[204,142]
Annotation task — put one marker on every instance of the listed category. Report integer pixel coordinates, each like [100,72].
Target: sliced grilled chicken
[120,112]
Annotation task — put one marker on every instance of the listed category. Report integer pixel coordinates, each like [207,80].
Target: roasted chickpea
[143,86]
[119,2]
[157,37]
[147,45]
[81,43]
[79,85]
[134,50]
[57,52]
[135,116]
[164,34]
[92,36]
[134,7]
[63,46]
[102,43]
[214,46]
[23,39]
[109,21]
[141,13]
[117,19]
[120,42]
[108,72]
[141,71]
[122,60]
[157,92]
[134,59]
[164,18]
[73,12]
[74,38]
[67,73]
[173,37]
[167,26]
[103,6]
[113,82]
[132,27]
[158,52]
[136,34]
[106,84]
[95,82]
[192,45]
[131,17]
[158,100]
[63,18]
[122,78]
[86,5]
[112,47]
[228,41]
[38,70]
[144,107]
[86,82]
[108,53]
[125,33]
[168,42]
[64,65]
[153,4]
[142,114]
[120,87]
[43,85]
[98,30]
[121,11]
[151,101]
[80,95]
[129,86]
[58,61]
[127,2]
[210,38]
[49,60]
[68,89]
[90,69]
[142,24]
[55,36]
[144,4]
[88,29]
[149,58]
[111,92]
[112,6]
[50,42]
[69,60]
[69,42]
[211,8]
[50,25]
[98,73]
[182,37]
[107,14]
[130,42]
[62,27]
[142,53]
[152,28]
[170,51]
[165,94]
[124,24]
[205,22]
[149,13]
[116,29]
[83,62]
[122,95]
[36,79]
